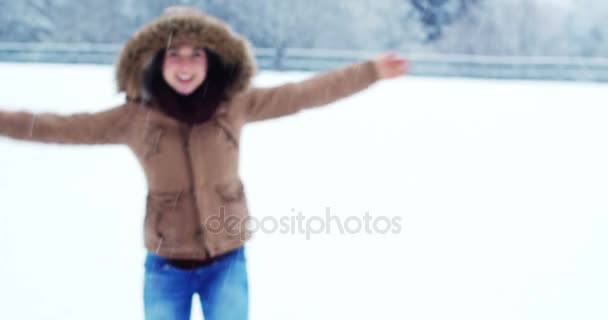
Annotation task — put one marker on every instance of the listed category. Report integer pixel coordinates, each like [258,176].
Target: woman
[187,76]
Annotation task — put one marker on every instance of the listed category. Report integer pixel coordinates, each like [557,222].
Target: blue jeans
[222,287]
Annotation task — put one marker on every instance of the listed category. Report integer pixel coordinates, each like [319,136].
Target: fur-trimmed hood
[183,24]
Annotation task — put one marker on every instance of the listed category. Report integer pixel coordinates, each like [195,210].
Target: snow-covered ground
[501,188]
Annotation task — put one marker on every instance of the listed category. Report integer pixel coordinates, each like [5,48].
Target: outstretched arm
[104,127]
[322,89]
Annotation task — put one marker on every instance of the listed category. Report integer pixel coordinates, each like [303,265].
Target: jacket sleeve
[104,127]
[319,90]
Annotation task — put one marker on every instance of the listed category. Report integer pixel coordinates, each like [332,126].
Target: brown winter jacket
[191,171]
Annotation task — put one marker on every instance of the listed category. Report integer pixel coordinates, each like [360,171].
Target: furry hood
[177,25]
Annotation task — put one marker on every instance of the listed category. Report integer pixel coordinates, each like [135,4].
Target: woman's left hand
[389,66]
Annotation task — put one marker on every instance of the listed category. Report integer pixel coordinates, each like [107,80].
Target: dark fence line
[495,67]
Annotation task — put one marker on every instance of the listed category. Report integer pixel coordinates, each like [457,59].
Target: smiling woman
[187,78]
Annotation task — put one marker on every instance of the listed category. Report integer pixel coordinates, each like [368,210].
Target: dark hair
[197,106]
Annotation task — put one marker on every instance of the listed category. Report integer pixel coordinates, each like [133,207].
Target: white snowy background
[502,188]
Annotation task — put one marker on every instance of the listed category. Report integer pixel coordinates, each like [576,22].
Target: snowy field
[501,188]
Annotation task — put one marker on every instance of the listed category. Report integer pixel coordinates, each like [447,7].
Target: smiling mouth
[184,77]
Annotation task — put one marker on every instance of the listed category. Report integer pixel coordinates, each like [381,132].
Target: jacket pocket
[168,218]
[152,140]
[232,191]
[151,220]
[232,209]
[228,132]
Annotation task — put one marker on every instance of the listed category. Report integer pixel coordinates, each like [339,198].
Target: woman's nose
[185,62]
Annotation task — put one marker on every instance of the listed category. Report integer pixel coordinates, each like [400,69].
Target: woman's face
[185,68]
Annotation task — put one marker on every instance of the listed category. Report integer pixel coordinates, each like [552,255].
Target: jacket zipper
[187,134]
